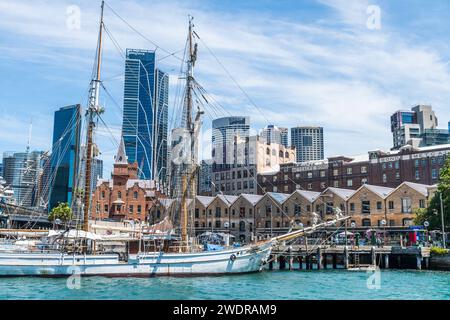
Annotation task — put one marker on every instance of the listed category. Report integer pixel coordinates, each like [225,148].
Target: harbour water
[277,285]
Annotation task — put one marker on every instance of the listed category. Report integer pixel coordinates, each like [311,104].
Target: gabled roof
[227,199]
[166,203]
[277,197]
[250,198]
[342,193]
[383,192]
[421,188]
[205,201]
[311,196]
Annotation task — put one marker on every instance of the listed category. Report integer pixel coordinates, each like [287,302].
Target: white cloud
[336,73]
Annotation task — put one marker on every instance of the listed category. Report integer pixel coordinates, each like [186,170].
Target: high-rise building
[65,155]
[229,138]
[274,134]
[145,114]
[205,178]
[411,127]
[21,172]
[308,142]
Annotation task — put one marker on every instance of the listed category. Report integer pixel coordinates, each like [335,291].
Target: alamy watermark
[73,17]
[373,282]
[373,17]
[74,281]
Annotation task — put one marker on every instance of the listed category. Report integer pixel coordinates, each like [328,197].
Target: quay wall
[440,262]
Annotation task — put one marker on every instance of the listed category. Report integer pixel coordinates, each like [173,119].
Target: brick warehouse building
[124,196]
[387,169]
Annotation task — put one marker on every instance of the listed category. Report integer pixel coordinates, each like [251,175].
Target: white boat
[239,260]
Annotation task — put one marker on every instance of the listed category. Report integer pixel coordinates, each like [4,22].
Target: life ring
[233,257]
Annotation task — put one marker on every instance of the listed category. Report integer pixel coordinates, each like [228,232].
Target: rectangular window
[417,175]
[197,213]
[363,169]
[350,183]
[336,184]
[422,203]
[352,207]
[391,205]
[322,174]
[217,223]
[218,212]
[106,208]
[434,174]
[349,170]
[335,172]
[365,207]
[131,208]
[406,205]
[379,205]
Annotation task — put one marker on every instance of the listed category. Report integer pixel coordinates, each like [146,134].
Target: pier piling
[334,261]
[345,257]
[386,261]
[319,259]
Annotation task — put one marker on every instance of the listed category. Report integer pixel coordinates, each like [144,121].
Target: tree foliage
[432,214]
[62,212]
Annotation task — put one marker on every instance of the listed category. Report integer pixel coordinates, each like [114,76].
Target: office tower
[205,178]
[21,172]
[65,155]
[274,134]
[145,115]
[308,142]
[411,127]
[229,135]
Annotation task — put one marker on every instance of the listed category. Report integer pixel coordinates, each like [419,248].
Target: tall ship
[158,250]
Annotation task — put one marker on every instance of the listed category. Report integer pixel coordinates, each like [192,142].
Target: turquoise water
[278,285]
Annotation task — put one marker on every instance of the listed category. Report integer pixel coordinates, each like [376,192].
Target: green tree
[62,212]
[432,214]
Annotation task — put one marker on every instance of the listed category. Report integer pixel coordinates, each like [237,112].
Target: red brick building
[124,196]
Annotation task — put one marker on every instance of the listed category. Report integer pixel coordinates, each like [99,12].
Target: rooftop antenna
[30,130]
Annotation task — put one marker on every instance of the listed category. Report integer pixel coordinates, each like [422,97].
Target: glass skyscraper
[22,171]
[65,155]
[145,114]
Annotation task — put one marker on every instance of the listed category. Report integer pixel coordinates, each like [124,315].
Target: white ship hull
[239,260]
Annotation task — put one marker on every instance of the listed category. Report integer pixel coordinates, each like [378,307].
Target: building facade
[251,217]
[387,169]
[274,134]
[21,172]
[308,142]
[65,155]
[417,128]
[145,114]
[259,157]
[124,196]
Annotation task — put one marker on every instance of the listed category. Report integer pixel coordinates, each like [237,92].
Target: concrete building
[274,134]
[259,157]
[308,142]
[417,128]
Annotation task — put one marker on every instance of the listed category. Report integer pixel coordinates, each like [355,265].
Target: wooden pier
[348,257]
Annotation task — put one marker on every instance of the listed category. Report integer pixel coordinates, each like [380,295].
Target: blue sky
[311,62]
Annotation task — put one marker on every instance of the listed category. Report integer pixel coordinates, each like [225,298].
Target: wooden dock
[349,257]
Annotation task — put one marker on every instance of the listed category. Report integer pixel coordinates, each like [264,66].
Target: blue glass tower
[145,115]
[65,155]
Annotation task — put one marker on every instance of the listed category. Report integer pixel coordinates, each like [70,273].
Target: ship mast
[188,174]
[92,111]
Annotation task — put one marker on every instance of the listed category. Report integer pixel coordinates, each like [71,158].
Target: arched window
[366,222]
[274,152]
[281,154]
[286,154]
[242,226]
[135,195]
[268,151]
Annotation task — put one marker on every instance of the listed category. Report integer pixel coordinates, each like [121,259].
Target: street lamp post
[426,225]
[442,220]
